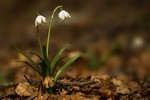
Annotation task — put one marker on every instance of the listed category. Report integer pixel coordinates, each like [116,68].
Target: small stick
[27,79]
[77,83]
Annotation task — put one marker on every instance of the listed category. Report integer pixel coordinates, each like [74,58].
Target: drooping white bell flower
[39,20]
[64,14]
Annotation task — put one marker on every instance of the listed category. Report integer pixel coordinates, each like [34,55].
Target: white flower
[64,14]
[39,20]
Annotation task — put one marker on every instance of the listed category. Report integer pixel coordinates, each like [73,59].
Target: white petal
[66,14]
[43,19]
[63,14]
[39,19]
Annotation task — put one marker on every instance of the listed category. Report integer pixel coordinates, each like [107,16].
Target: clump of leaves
[46,68]
[95,62]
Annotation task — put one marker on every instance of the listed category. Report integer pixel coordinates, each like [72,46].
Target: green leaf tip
[56,58]
[65,66]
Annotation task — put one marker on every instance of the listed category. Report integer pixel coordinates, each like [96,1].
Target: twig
[77,83]
[27,79]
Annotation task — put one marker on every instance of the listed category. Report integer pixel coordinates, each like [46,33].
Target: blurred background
[112,33]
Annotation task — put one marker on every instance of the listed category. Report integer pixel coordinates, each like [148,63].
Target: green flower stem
[49,30]
[39,40]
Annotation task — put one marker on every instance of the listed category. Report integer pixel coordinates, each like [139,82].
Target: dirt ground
[113,38]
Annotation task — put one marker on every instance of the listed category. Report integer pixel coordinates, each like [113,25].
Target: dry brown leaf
[133,85]
[89,97]
[76,87]
[99,76]
[77,96]
[41,97]
[63,92]
[65,98]
[116,82]
[25,89]
[106,93]
[123,89]
[80,96]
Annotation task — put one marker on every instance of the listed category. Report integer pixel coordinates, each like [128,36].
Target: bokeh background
[95,26]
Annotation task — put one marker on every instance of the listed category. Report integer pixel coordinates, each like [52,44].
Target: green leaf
[25,55]
[59,60]
[44,69]
[56,58]
[43,65]
[65,66]
[34,53]
[47,64]
[32,66]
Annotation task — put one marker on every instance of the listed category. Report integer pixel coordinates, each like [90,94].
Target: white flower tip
[39,20]
[63,14]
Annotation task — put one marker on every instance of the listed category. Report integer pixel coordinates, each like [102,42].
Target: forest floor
[79,82]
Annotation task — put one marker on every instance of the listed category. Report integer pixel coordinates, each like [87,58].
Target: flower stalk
[39,40]
[49,29]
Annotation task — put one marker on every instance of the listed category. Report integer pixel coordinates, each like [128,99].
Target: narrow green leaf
[32,66]
[47,64]
[65,66]
[59,60]
[34,53]
[56,58]
[43,65]
[44,69]
[25,55]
